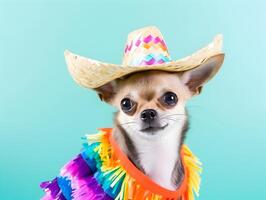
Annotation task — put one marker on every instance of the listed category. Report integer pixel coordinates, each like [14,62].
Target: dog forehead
[149,83]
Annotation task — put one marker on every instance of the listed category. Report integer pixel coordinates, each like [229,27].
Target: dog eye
[127,104]
[169,99]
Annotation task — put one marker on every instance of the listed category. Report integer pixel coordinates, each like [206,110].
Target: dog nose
[148,115]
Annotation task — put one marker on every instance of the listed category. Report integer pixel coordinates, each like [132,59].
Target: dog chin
[154,132]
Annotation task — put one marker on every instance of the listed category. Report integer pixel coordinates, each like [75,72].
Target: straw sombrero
[145,50]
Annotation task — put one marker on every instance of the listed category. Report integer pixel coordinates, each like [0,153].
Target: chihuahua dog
[151,123]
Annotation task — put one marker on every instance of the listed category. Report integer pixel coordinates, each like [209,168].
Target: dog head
[150,102]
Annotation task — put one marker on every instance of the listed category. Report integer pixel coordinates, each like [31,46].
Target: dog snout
[148,115]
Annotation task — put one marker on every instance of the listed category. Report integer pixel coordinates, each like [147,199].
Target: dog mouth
[151,129]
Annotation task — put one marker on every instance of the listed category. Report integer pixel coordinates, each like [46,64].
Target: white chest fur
[158,155]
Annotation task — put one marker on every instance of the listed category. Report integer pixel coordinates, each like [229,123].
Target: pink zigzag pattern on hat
[146,40]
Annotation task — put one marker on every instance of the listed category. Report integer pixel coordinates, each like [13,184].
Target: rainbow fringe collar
[102,171]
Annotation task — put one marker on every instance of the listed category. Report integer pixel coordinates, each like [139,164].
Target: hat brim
[91,73]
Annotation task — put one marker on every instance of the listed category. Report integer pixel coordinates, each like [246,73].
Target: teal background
[43,113]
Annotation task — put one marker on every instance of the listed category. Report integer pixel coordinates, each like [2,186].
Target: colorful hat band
[146,42]
[150,59]
[158,46]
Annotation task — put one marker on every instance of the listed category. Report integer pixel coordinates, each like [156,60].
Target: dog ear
[197,77]
[106,91]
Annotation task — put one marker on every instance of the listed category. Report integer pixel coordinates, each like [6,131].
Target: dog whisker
[126,126]
[175,120]
[169,115]
[132,122]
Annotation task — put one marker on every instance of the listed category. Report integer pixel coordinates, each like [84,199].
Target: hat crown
[145,46]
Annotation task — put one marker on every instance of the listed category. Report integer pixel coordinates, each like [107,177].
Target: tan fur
[147,87]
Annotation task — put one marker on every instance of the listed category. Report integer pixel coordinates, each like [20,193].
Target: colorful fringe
[97,173]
